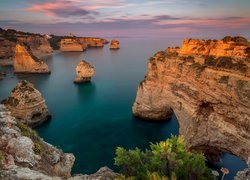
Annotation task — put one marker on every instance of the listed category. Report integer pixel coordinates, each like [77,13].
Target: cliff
[209,95]
[92,41]
[27,104]
[24,154]
[114,44]
[71,45]
[26,62]
[84,72]
[38,44]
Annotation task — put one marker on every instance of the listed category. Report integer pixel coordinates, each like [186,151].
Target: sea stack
[27,104]
[206,83]
[26,62]
[114,44]
[84,72]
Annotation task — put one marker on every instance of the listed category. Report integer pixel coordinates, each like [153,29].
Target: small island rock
[84,72]
[27,104]
[26,62]
[114,44]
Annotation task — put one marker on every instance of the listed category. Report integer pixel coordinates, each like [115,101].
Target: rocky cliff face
[38,44]
[27,104]
[84,72]
[209,95]
[71,45]
[26,62]
[93,42]
[114,44]
[25,156]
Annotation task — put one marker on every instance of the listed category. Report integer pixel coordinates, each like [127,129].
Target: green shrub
[38,148]
[167,159]
[1,159]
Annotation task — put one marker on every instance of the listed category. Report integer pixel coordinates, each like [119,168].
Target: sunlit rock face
[26,62]
[210,95]
[114,44]
[84,72]
[25,156]
[71,45]
[27,104]
[92,41]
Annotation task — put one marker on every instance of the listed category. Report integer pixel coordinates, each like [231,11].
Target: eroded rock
[27,104]
[84,72]
[114,44]
[211,100]
[25,62]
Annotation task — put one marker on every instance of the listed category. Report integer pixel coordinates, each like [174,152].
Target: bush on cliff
[167,159]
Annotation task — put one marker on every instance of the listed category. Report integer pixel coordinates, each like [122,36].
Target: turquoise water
[91,120]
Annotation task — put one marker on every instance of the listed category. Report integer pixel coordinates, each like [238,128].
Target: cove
[91,120]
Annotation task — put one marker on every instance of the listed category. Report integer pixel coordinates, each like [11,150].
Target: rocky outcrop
[27,104]
[209,95]
[26,62]
[228,46]
[114,44]
[25,156]
[38,44]
[84,72]
[92,42]
[71,45]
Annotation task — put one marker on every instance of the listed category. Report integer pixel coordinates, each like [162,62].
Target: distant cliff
[206,83]
[38,44]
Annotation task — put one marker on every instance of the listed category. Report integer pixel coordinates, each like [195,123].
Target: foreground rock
[114,44]
[84,72]
[210,95]
[27,104]
[25,62]
[23,155]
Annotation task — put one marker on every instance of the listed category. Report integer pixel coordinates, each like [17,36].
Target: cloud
[60,9]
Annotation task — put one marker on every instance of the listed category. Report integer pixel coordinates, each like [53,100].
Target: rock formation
[38,44]
[84,72]
[26,62]
[114,44]
[92,42]
[27,104]
[210,95]
[23,155]
[71,45]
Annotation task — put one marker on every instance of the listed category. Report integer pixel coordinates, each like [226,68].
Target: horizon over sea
[90,120]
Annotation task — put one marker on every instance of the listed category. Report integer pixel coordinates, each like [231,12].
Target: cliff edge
[207,88]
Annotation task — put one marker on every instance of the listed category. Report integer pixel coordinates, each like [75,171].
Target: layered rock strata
[26,62]
[27,104]
[93,42]
[84,72]
[71,45]
[210,95]
[114,44]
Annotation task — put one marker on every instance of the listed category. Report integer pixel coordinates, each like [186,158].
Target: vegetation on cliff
[167,159]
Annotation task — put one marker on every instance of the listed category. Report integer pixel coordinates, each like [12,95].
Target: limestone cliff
[27,104]
[38,44]
[209,95]
[71,45]
[25,62]
[92,41]
[84,72]
[114,44]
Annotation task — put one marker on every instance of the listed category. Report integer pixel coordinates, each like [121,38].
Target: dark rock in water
[27,104]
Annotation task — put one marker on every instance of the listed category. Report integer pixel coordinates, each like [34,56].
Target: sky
[128,18]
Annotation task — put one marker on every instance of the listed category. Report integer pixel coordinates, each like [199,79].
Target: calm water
[91,120]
